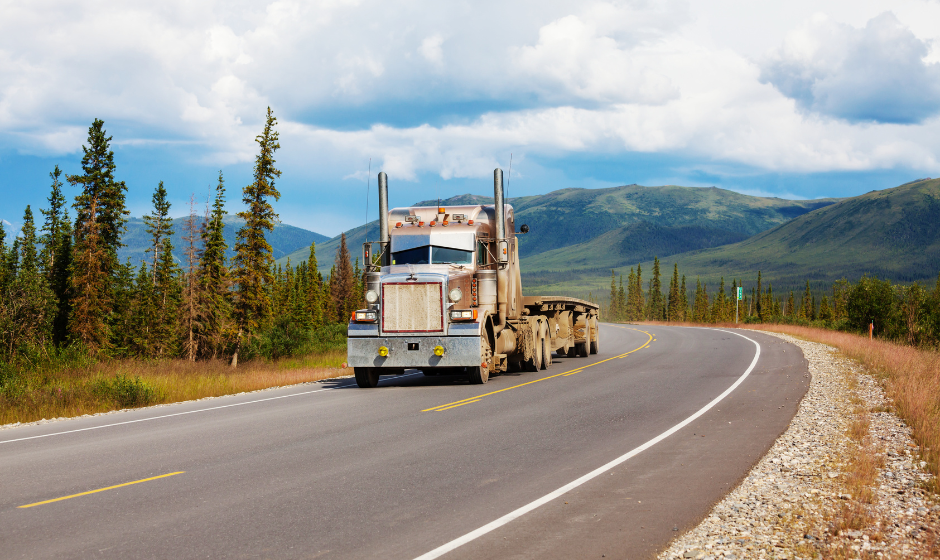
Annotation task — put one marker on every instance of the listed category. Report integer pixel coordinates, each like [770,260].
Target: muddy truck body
[444,295]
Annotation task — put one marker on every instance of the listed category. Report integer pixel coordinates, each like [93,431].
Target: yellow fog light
[438,350]
[383,351]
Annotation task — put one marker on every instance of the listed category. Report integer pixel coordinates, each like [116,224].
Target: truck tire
[546,353]
[367,377]
[535,363]
[481,374]
[595,334]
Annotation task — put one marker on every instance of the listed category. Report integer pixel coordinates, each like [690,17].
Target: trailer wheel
[481,374]
[583,347]
[596,335]
[366,377]
[546,353]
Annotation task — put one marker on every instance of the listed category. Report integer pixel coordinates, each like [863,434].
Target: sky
[796,99]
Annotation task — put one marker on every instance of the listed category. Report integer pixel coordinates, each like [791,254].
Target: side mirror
[524,228]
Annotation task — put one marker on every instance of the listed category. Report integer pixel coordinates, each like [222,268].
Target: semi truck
[443,294]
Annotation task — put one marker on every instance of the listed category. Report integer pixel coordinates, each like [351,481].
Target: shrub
[124,391]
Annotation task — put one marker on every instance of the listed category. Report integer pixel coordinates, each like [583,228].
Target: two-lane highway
[608,455]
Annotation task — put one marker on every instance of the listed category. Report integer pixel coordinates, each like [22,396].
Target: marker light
[383,351]
[397,224]
[469,222]
[364,316]
[455,295]
[463,315]
[432,223]
[372,296]
[440,210]
[438,350]
[420,224]
[444,223]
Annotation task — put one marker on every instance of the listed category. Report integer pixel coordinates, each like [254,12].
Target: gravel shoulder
[797,501]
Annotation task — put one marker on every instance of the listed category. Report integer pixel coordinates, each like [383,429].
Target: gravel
[794,501]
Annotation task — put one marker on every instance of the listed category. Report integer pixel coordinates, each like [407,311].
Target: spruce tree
[760,298]
[342,286]
[214,320]
[192,295]
[657,309]
[630,308]
[99,223]
[683,301]
[638,299]
[159,226]
[253,258]
[56,255]
[621,301]
[314,299]
[673,309]
[29,260]
[168,297]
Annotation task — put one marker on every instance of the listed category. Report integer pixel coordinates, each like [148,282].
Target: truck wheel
[546,353]
[535,363]
[367,377]
[481,374]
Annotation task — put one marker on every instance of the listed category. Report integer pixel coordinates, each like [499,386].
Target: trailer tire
[595,335]
[583,348]
[366,378]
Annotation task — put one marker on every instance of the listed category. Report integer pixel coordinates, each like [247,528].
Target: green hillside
[892,233]
[284,239]
[596,228]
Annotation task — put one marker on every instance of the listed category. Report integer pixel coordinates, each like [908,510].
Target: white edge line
[189,412]
[445,548]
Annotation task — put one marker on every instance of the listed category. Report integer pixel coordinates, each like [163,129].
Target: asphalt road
[416,465]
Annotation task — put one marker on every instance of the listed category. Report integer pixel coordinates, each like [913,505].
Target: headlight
[371,296]
[463,315]
[455,295]
[364,316]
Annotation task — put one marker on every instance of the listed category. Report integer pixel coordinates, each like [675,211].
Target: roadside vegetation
[82,332]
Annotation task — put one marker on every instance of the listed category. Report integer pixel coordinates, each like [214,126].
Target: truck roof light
[444,223]
[420,224]
[440,210]
[397,224]
[433,223]
[469,222]
[412,219]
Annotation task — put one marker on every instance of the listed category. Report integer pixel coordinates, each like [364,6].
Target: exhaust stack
[498,196]
[383,219]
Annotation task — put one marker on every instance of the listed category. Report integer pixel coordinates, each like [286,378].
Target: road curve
[410,469]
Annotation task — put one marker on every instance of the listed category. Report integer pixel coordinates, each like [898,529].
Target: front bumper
[459,351]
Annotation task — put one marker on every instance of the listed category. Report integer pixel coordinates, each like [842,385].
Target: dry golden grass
[78,391]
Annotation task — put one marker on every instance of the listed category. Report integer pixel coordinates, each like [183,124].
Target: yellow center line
[100,490]
[462,402]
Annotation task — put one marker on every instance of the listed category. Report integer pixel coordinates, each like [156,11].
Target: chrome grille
[412,307]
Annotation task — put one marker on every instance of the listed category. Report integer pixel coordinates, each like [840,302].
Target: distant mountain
[285,239]
[892,233]
[594,229]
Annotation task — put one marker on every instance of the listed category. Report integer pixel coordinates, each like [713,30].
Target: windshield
[438,255]
[418,255]
[445,255]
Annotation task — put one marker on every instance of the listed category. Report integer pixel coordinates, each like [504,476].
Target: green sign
[740,294]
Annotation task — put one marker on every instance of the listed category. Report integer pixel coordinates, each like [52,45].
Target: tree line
[908,313]
[62,285]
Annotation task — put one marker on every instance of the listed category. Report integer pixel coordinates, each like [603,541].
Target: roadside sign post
[737,302]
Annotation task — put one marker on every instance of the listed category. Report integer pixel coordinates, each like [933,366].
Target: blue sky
[793,99]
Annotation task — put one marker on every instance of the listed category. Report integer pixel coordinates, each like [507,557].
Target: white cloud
[877,73]
[546,78]
[431,49]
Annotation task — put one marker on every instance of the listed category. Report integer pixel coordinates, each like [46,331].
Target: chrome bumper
[459,351]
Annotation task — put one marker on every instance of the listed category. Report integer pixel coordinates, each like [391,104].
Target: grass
[51,389]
